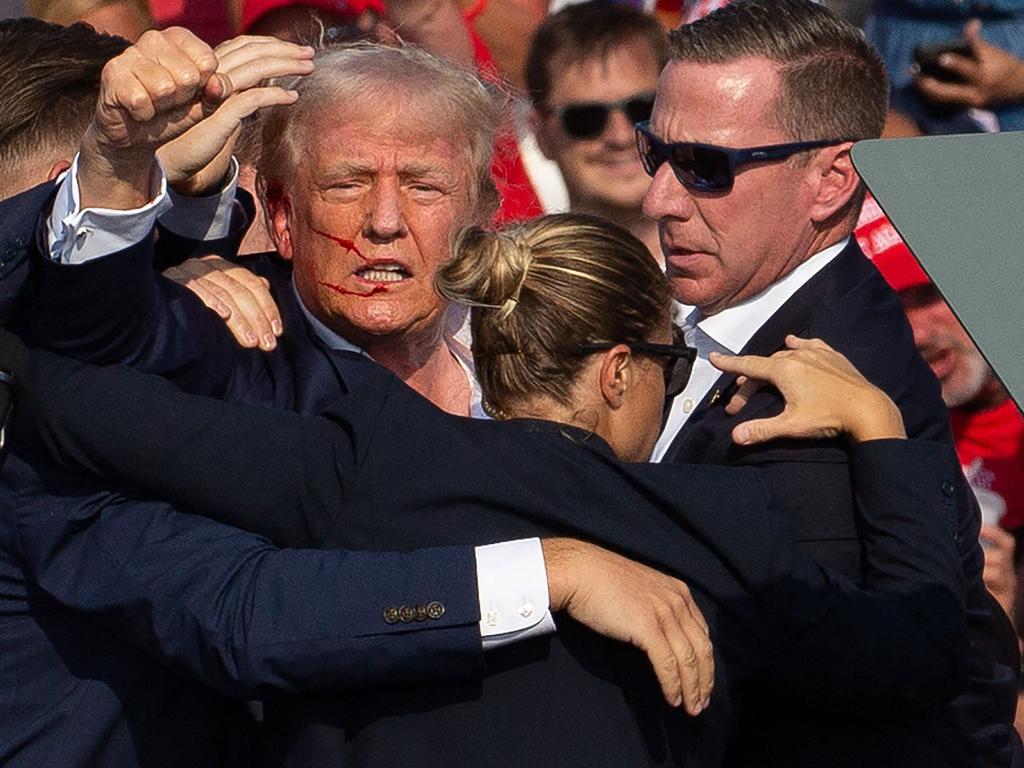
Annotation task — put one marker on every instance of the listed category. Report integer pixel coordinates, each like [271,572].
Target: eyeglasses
[676,359]
[706,167]
[588,120]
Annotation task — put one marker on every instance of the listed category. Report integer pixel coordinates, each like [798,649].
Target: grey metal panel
[958,202]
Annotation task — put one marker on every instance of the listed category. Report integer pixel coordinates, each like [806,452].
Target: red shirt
[991,448]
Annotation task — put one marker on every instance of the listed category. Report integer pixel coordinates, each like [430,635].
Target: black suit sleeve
[901,635]
[226,607]
[272,472]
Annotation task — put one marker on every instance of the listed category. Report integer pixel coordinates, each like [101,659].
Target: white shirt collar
[732,328]
[456,335]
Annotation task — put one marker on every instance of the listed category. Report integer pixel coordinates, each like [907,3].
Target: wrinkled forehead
[394,130]
[730,103]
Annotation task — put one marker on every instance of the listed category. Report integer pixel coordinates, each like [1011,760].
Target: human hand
[635,604]
[196,162]
[989,77]
[154,92]
[240,297]
[825,395]
[999,575]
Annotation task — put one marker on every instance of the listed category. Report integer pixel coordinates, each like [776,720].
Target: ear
[835,181]
[57,169]
[616,375]
[279,214]
[542,132]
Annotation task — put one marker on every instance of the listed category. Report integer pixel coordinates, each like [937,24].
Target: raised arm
[97,296]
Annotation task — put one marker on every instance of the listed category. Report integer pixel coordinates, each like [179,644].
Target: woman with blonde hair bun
[574,349]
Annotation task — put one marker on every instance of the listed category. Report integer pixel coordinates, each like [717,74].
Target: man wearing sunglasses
[591,70]
[755,197]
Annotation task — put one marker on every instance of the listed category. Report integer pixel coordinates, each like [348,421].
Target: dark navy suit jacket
[384,468]
[849,305]
[95,587]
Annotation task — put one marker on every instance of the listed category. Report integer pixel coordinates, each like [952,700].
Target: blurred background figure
[295,20]
[591,72]
[987,427]
[125,18]
[958,38]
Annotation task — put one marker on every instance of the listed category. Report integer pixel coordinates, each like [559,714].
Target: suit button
[947,488]
[435,610]
[391,615]
[421,613]
[407,614]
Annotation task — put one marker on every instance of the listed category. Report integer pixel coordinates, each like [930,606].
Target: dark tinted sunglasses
[706,167]
[588,120]
[676,359]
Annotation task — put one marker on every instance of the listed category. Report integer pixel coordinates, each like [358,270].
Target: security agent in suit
[757,245]
[338,486]
[46,555]
[405,220]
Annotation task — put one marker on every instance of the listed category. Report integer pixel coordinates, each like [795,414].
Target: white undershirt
[728,332]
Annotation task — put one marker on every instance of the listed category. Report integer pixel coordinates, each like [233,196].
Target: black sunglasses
[588,120]
[676,358]
[706,167]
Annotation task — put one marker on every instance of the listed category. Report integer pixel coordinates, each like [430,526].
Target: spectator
[759,243]
[124,18]
[591,71]
[987,427]
[897,27]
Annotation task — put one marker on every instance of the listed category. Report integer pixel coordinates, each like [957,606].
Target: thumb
[972,33]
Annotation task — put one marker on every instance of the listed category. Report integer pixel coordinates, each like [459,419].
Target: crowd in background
[577,78]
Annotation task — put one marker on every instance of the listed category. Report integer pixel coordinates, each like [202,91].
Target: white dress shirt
[728,332]
[511,576]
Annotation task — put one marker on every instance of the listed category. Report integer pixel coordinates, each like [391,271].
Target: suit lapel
[709,422]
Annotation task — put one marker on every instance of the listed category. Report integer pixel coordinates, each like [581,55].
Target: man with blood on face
[364,192]
[756,198]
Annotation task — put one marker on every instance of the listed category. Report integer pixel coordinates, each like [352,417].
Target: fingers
[745,390]
[751,366]
[242,298]
[946,92]
[677,644]
[170,67]
[247,61]
[972,33]
[996,538]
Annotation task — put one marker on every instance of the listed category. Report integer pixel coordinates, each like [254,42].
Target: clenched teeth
[384,273]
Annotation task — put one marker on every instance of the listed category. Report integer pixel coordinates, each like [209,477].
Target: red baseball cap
[252,10]
[882,244]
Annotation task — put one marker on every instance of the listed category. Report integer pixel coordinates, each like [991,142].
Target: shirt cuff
[76,236]
[203,218]
[513,586]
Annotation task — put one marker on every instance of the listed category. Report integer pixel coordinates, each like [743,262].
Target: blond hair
[541,289]
[370,75]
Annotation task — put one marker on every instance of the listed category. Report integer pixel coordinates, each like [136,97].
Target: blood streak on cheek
[346,292]
[350,247]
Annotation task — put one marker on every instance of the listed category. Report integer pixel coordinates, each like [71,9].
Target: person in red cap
[987,427]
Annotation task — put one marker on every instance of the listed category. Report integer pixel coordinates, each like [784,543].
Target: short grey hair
[453,99]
